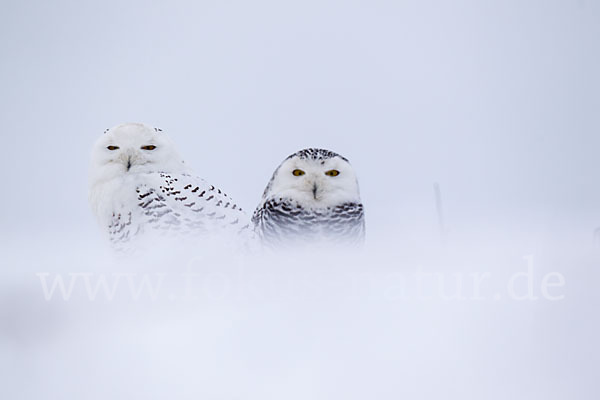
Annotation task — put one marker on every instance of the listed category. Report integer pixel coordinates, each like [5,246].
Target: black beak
[128,163]
[314,190]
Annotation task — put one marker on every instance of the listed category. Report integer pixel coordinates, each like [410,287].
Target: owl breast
[280,221]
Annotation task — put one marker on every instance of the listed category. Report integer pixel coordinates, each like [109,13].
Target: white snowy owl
[313,197]
[140,187]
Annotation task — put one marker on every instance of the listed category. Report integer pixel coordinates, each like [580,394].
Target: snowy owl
[141,187]
[312,197]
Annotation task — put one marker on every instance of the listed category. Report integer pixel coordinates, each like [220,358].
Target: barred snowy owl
[313,196]
[140,187]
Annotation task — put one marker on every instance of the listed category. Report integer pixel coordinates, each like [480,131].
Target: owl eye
[332,172]
[149,147]
[113,147]
[297,172]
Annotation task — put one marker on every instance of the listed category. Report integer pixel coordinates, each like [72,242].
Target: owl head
[314,178]
[132,148]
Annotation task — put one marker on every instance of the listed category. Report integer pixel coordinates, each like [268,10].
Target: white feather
[137,192]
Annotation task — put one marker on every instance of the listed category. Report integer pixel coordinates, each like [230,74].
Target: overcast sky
[496,101]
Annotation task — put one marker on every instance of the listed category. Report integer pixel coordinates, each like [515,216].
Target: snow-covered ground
[444,321]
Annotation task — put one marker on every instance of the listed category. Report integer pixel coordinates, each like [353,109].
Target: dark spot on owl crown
[316,154]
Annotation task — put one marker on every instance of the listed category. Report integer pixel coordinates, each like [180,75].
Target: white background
[497,101]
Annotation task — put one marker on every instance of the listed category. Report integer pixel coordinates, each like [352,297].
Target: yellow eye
[149,147]
[332,172]
[113,147]
[297,172]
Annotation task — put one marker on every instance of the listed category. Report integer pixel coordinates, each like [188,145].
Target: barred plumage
[173,204]
[312,197]
[141,187]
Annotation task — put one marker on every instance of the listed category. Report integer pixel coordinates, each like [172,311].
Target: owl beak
[314,190]
[128,159]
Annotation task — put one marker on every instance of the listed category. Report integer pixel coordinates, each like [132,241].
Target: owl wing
[179,204]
